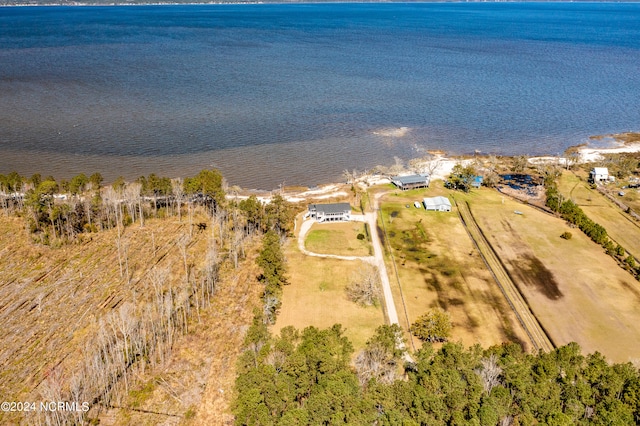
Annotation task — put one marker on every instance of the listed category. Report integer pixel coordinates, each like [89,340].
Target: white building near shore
[335,212]
[599,174]
[440,204]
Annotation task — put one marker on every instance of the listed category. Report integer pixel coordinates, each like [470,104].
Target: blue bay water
[298,93]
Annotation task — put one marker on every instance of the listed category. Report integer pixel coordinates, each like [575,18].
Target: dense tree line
[272,262]
[461,177]
[300,378]
[62,210]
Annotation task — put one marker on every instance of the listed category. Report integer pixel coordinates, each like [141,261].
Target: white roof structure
[600,171]
[438,203]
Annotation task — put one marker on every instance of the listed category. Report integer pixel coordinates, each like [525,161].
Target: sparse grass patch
[137,397]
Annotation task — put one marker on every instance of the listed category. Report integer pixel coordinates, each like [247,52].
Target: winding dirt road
[377,259]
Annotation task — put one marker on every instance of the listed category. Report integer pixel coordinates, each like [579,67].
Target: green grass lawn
[339,238]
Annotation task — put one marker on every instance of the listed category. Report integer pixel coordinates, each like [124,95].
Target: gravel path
[377,259]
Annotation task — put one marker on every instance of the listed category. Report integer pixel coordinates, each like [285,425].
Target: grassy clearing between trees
[339,238]
[317,296]
[602,211]
[577,291]
[438,266]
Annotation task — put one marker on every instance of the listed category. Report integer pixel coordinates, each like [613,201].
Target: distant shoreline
[171,3]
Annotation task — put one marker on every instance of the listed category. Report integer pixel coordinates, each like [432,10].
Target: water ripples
[289,93]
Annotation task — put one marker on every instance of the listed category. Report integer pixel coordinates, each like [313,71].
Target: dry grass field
[339,238]
[316,296]
[620,227]
[438,266]
[576,290]
[631,198]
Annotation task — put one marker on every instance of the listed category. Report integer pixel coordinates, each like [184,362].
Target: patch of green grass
[190,413]
[320,236]
[338,238]
[139,396]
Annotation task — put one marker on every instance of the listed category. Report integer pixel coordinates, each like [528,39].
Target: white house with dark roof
[335,212]
[439,203]
[411,182]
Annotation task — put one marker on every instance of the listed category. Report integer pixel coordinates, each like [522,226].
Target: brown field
[316,296]
[338,238]
[196,385]
[438,266]
[620,227]
[631,198]
[576,290]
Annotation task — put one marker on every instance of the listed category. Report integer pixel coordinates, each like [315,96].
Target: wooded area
[305,377]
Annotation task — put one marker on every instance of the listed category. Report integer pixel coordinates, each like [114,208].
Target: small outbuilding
[477,181]
[440,204]
[334,212]
[599,174]
[411,182]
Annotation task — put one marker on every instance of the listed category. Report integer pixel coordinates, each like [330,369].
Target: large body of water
[295,94]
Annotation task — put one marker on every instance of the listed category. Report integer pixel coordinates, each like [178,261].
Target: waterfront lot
[577,292]
[438,266]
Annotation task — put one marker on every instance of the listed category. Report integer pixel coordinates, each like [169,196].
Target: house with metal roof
[334,212]
[439,204]
[477,181]
[411,182]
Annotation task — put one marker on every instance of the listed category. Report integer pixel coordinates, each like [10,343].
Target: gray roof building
[440,204]
[330,212]
[411,182]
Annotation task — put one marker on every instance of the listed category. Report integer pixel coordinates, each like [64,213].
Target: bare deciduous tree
[375,362]
[489,373]
[364,288]
[177,187]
